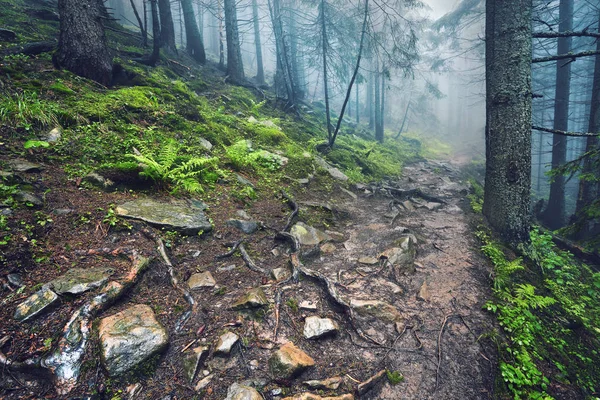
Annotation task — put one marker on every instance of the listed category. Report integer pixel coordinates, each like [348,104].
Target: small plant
[292,304]
[394,377]
[42,219]
[221,291]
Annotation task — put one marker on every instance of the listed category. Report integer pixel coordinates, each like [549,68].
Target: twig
[437,372]
[189,345]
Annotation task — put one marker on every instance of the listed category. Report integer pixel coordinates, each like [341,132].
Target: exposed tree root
[239,245]
[294,206]
[402,194]
[370,383]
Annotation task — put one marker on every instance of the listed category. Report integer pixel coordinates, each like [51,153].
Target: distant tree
[167,29]
[194,42]
[235,66]
[82,45]
[140,23]
[260,70]
[508,116]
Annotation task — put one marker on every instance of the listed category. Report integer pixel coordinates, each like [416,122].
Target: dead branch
[565,34]
[370,383]
[564,133]
[439,363]
[567,56]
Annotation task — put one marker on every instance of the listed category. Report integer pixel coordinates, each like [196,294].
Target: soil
[438,345]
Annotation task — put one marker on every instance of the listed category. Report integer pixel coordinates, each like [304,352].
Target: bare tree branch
[564,133]
[572,56]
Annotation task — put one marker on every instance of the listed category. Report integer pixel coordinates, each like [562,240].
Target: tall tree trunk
[508,117]
[235,66]
[357,106]
[260,70]
[167,29]
[221,35]
[141,24]
[195,45]
[378,130]
[554,216]
[82,45]
[370,99]
[156,42]
[325,83]
[382,106]
[293,53]
[201,20]
[588,189]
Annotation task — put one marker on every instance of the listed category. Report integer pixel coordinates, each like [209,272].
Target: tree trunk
[508,118]
[260,70]
[554,216]
[221,35]
[382,107]
[195,45]
[378,130]
[293,53]
[357,106]
[325,83]
[167,29]
[82,43]
[235,66]
[141,24]
[370,99]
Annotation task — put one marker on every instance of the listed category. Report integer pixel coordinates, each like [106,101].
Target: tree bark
[378,130]
[195,44]
[325,83]
[235,66]
[167,29]
[141,24]
[82,45]
[260,70]
[508,118]
[554,216]
[370,107]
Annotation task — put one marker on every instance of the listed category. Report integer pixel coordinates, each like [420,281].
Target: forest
[299,199]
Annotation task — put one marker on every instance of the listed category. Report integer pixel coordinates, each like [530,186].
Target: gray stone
[129,338]
[243,180]
[226,268]
[7,35]
[349,193]
[325,384]
[376,308]
[24,166]
[185,216]
[279,159]
[79,280]
[408,205]
[9,177]
[328,248]
[241,392]
[54,135]
[432,206]
[35,304]
[226,343]
[331,170]
[191,361]
[205,143]
[243,214]
[202,279]
[307,235]
[289,361]
[95,179]
[315,327]
[27,197]
[280,274]
[402,257]
[15,280]
[244,226]
[62,211]
[204,382]
[308,305]
[368,260]
[254,298]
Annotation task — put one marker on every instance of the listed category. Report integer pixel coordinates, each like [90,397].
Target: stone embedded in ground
[129,338]
[205,143]
[349,193]
[95,179]
[243,214]
[325,384]
[376,308]
[35,304]
[244,226]
[280,274]
[432,206]
[402,257]
[254,298]
[80,280]
[307,235]
[408,205]
[202,279]
[243,180]
[331,170]
[191,361]
[328,248]
[24,166]
[226,343]
[289,361]
[424,294]
[15,280]
[368,260]
[311,396]
[23,196]
[336,236]
[185,216]
[54,135]
[315,327]
[204,382]
[241,392]
[308,305]
[6,35]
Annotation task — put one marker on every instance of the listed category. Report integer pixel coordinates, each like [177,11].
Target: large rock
[24,166]
[310,396]
[307,235]
[331,170]
[129,338]
[241,392]
[254,298]
[376,308]
[244,226]
[202,279]
[402,257]
[35,304]
[79,280]
[315,327]
[289,361]
[185,216]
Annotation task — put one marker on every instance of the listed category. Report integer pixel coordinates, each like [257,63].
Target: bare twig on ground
[439,364]
[370,383]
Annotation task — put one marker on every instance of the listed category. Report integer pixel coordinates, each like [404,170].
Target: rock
[336,236]
[15,280]
[243,181]
[328,248]
[243,214]
[315,327]
[95,179]
[289,361]
[191,361]
[28,198]
[226,268]
[432,206]
[349,193]
[204,382]
[268,123]
[308,305]
[185,216]
[205,143]
[62,211]
[376,308]
[408,205]
[9,177]
[370,383]
[254,298]
[129,338]
[280,274]
[310,396]
[241,392]
[24,166]
[332,171]
[402,258]
[424,294]
[325,384]
[279,159]
[307,235]
[226,343]
[54,135]
[35,304]
[80,280]
[7,35]
[368,260]
[202,279]
[244,226]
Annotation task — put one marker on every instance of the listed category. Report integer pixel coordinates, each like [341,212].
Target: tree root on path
[413,193]
[239,245]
